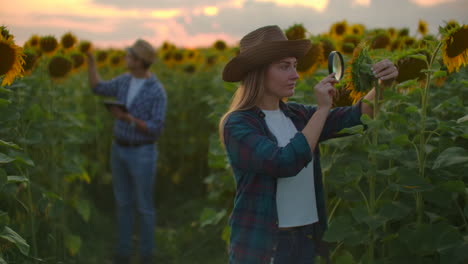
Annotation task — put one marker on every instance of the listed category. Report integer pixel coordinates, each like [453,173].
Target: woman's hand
[385,71]
[325,91]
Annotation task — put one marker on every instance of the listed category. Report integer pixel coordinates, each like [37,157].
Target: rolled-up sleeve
[250,150]
[110,88]
[158,113]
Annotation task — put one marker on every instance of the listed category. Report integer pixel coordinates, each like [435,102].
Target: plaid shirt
[257,162]
[149,105]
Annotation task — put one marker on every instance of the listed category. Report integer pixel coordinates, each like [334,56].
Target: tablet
[120,105]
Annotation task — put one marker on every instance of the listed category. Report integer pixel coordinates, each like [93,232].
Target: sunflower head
[339,29]
[409,42]
[210,60]
[392,32]
[404,32]
[78,60]
[190,68]
[33,42]
[380,41]
[397,44]
[166,46]
[296,31]
[328,45]
[360,78]
[451,24]
[422,27]
[68,41]
[116,59]
[343,97]
[5,33]
[101,57]
[411,63]
[178,56]
[220,45]
[30,59]
[59,67]
[309,62]
[358,29]
[353,39]
[455,47]
[348,48]
[84,46]
[12,60]
[48,44]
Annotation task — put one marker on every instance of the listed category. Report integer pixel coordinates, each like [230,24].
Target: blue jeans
[133,173]
[295,245]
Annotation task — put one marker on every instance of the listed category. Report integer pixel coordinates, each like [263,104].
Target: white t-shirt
[134,89]
[295,196]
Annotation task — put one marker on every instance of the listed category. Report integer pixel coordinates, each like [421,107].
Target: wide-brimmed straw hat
[260,47]
[143,50]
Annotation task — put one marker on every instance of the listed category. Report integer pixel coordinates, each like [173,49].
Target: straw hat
[143,50]
[263,46]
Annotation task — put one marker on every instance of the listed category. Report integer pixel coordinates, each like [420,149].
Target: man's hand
[118,113]
[385,71]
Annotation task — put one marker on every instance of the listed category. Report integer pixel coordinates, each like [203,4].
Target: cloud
[428,3]
[319,5]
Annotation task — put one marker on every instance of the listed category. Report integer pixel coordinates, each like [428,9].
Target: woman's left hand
[385,71]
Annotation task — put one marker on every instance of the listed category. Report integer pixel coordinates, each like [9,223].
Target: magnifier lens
[336,64]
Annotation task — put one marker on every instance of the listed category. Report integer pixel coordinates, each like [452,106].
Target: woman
[279,209]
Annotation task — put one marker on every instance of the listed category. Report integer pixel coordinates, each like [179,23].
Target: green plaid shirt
[257,162]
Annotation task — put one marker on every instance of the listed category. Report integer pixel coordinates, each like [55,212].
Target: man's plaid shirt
[149,105]
[257,162]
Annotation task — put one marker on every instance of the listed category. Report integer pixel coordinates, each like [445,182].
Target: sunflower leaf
[419,57]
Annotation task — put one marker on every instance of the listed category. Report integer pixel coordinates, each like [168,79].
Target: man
[134,152]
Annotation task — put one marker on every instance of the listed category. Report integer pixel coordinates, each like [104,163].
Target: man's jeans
[296,246]
[134,172]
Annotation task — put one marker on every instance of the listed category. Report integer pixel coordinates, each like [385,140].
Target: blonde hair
[247,96]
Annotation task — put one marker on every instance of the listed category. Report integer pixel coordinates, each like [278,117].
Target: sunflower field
[397,191]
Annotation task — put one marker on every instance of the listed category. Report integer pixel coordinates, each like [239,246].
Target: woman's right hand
[325,91]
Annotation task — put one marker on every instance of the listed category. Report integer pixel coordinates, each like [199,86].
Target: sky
[199,23]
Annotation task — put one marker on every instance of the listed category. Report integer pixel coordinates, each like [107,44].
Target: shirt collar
[283,106]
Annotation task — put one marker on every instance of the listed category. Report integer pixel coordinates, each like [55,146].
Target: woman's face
[281,78]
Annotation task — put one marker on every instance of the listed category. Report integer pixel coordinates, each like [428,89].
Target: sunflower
[68,41]
[380,41]
[296,31]
[392,32]
[48,44]
[220,45]
[210,60]
[116,59]
[33,42]
[5,33]
[342,97]
[455,48]
[190,68]
[59,67]
[358,29]
[410,66]
[78,60]
[12,59]
[451,24]
[84,46]
[167,46]
[178,56]
[339,29]
[309,63]
[30,60]
[397,44]
[409,42]
[422,27]
[328,46]
[348,48]
[404,32]
[101,57]
[359,74]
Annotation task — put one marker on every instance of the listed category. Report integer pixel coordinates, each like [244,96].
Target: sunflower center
[459,43]
[7,54]
[340,29]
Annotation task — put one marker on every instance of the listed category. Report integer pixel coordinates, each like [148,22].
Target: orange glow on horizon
[428,3]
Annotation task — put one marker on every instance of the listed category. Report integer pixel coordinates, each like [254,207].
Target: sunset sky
[195,23]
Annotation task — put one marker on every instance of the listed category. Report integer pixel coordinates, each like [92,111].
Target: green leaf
[4,102]
[418,57]
[73,244]
[210,217]
[3,90]
[340,228]
[83,207]
[17,179]
[344,258]
[13,237]
[359,129]
[406,84]
[3,178]
[5,159]
[451,156]
[9,144]
[2,261]
[462,119]
[401,140]
[392,210]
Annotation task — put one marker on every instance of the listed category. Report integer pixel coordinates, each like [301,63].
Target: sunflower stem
[422,139]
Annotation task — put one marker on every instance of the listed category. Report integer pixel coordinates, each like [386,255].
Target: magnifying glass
[336,64]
